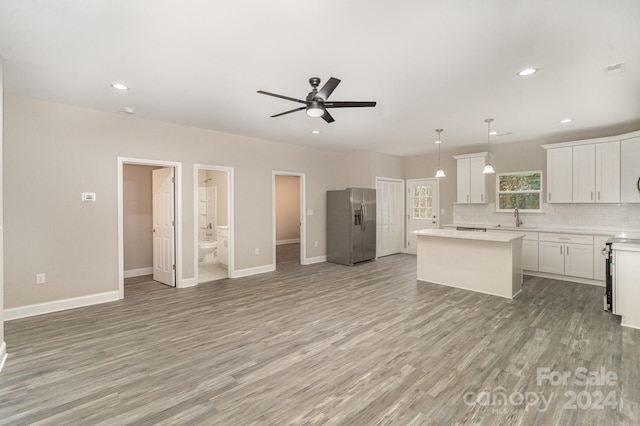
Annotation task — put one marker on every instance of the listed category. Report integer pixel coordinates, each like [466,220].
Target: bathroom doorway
[213,222]
[289,218]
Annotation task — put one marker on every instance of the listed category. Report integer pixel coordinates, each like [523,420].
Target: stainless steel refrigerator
[351,225]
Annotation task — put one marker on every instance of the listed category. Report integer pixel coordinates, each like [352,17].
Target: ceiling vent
[615,68]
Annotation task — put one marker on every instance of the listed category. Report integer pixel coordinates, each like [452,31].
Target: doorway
[422,208]
[167,249]
[390,216]
[289,225]
[213,222]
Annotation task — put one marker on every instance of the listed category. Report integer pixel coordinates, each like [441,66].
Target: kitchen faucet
[516,214]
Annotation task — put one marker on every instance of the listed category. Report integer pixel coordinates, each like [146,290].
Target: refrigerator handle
[363,206]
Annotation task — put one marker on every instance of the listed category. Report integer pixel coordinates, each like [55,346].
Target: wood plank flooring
[322,344]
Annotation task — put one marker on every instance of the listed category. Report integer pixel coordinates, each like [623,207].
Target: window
[521,189]
[422,202]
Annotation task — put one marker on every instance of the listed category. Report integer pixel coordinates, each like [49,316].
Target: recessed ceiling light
[566,120]
[493,133]
[527,71]
[315,132]
[120,86]
[128,110]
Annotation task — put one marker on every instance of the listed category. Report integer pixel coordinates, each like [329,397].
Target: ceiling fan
[316,102]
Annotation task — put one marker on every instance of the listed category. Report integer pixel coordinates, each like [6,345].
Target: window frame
[538,191]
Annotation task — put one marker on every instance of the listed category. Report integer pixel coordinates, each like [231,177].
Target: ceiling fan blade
[327,117]
[348,104]
[290,111]
[281,97]
[328,88]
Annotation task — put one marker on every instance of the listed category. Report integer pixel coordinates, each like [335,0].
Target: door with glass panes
[422,208]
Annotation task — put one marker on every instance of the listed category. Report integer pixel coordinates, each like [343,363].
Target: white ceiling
[428,64]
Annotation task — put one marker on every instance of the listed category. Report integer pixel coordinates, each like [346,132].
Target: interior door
[163,226]
[389,206]
[422,208]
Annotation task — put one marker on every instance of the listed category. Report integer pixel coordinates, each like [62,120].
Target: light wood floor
[320,344]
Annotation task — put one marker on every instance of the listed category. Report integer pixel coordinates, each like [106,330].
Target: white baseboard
[3,354]
[59,305]
[565,278]
[317,259]
[138,272]
[239,273]
[188,282]
[291,241]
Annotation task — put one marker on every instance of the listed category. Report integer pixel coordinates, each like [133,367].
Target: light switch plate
[89,197]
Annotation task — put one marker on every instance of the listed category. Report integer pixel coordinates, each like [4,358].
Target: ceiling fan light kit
[316,103]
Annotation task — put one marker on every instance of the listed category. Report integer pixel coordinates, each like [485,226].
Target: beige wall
[137,219]
[287,207]
[364,167]
[55,152]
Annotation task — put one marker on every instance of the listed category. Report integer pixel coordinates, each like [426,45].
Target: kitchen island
[488,263]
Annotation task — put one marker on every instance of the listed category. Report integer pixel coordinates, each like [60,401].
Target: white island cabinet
[485,262]
[626,291]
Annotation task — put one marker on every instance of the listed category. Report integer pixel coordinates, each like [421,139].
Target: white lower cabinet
[530,255]
[566,254]
[578,260]
[223,246]
[551,257]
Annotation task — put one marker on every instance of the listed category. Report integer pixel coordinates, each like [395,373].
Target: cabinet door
[477,180]
[551,257]
[584,173]
[599,268]
[578,260]
[223,250]
[464,180]
[630,170]
[530,255]
[608,172]
[559,175]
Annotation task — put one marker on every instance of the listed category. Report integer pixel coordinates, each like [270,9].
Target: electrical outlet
[40,279]
[257,250]
[315,244]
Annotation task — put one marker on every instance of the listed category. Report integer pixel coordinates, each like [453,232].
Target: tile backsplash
[620,217]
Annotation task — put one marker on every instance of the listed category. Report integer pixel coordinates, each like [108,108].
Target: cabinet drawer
[567,238]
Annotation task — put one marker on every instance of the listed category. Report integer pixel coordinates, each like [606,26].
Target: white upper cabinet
[630,170]
[472,183]
[560,175]
[608,172]
[584,173]
[478,180]
[464,180]
[596,173]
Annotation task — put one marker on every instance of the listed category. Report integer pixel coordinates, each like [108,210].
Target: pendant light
[440,172]
[488,169]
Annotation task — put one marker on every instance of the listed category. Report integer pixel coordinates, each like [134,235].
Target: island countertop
[499,237]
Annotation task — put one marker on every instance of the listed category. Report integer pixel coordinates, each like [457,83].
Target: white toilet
[207,251]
